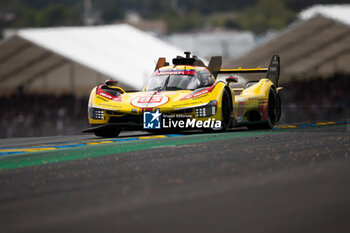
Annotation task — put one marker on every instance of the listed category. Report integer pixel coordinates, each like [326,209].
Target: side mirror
[111,82]
[231,79]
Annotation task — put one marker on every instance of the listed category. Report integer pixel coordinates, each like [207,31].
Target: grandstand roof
[318,44]
[337,12]
[120,52]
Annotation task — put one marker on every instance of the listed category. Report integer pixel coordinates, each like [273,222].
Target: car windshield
[172,82]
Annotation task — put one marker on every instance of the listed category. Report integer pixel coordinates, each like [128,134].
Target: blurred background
[52,53]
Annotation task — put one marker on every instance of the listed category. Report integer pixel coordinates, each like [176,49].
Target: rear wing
[272,72]
[241,70]
[214,66]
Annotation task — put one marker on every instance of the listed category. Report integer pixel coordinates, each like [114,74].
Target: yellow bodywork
[174,103]
[253,98]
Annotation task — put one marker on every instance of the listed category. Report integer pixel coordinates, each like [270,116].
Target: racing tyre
[279,108]
[226,109]
[273,111]
[107,133]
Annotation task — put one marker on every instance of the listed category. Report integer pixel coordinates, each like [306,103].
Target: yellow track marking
[27,149]
[326,123]
[149,137]
[95,143]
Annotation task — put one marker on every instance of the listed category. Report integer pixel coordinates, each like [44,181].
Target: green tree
[265,15]
[183,23]
[113,13]
[55,15]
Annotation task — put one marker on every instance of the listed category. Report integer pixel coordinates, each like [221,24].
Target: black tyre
[226,110]
[273,111]
[279,108]
[110,133]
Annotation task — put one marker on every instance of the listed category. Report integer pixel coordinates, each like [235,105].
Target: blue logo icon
[151,120]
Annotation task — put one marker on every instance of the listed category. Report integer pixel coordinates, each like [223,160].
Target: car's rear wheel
[108,133]
[273,112]
[226,109]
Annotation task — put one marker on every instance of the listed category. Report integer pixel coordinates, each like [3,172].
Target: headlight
[208,110]
[96,114]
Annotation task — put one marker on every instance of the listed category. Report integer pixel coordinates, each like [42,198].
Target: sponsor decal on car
[178,72]
[199,93]
[104,94]
[150,101]
[263,108]
[101,93]
[157,120]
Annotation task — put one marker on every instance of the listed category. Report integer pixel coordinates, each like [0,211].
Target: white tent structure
[337,12]
[318,44]
[74,59]
[218,42]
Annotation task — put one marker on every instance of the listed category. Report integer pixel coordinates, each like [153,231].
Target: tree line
[258,16]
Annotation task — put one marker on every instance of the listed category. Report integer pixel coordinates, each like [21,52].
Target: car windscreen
[172,82]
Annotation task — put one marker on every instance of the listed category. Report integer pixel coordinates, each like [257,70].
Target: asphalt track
[292,179]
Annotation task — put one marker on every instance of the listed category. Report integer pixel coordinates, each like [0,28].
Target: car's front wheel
[226,109]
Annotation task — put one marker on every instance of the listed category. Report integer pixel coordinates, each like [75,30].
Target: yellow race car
[188,95]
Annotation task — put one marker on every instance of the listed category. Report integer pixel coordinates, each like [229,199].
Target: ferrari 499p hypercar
[188,95]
